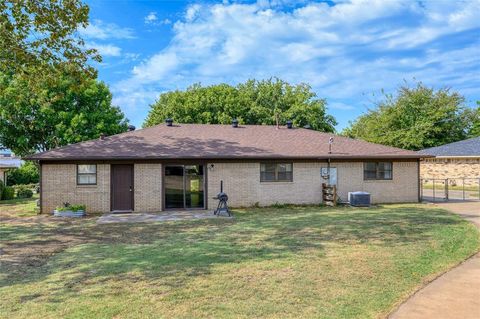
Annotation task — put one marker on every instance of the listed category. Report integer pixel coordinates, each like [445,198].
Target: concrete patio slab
[111,218]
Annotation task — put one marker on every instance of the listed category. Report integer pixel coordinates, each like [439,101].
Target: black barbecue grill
[222,208]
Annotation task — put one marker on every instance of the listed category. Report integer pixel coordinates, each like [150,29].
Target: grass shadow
[176,252]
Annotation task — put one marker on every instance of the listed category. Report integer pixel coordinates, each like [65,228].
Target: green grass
[293,262]
[19,207]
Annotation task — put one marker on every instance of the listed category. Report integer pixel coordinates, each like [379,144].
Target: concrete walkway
[455,294]
[156,217]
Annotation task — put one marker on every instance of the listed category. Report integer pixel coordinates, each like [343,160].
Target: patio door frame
[205,191]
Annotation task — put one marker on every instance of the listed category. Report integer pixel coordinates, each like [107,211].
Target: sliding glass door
[184,186]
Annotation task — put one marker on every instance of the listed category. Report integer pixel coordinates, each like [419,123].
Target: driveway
[455,294]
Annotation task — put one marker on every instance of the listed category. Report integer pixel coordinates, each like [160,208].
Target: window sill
[87,186]
[276,182]
[377,180]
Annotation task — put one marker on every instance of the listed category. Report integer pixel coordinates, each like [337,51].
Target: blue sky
[348,51]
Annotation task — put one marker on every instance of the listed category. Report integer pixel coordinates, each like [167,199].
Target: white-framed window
[86,174]
[276,172]
[377,171]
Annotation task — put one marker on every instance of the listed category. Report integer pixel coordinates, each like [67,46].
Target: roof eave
[322,157]
[456,156]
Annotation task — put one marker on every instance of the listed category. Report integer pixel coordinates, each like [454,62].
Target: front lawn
[19,207]
[307,262]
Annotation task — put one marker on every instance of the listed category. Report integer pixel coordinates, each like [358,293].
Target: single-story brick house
[8,161]
[180,166]
[456,161]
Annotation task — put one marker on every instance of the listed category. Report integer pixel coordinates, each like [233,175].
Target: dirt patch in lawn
[36,239]
[273,263]
[41,236]
[19,207]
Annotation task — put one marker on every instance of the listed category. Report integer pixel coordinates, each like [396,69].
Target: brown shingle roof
[185,141]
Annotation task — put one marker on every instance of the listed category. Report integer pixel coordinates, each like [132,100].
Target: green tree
[252,102]
[474,129]
[25,174]
[39,38]
[65,111]
[415,118]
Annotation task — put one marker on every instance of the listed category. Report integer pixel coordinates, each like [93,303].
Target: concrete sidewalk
[455,294]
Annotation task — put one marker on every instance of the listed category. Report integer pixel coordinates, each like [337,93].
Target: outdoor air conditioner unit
[359,199]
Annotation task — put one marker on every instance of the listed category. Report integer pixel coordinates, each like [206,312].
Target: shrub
[73,208]
[8,193]
[278,205]
[29,186]
[24,192]
[25,174]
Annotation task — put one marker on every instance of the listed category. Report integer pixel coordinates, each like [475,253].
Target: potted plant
[70,210]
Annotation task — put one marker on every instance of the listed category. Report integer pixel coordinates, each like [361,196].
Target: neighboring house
[7,162]
[459,160]
[181,166]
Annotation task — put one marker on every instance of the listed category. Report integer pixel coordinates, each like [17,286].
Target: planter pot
[69,213]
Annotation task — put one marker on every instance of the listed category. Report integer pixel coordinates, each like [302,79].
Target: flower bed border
[69,213]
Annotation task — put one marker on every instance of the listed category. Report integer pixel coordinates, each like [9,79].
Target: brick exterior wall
[402,188]
[59,185]
[241,181]
[242,184]
[452,168]
[148,187]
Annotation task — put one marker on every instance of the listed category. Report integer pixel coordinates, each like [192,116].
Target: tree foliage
[252,102]
[474,129]
[25,174]
[59,113]
[49,95]
[415,118]
[39,37]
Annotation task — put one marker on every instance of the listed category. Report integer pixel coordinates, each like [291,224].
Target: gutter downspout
[419,181]
[40,186]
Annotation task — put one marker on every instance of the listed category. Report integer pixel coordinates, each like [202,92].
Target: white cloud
[105,49]
[132,56]
[340,106]
[133,99]
[192,12]
[343,51]
[151,18]
[100,30]
[158,66]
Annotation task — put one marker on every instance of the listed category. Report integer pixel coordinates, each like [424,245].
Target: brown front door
[122,187]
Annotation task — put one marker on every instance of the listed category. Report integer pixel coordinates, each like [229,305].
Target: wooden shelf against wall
[329,194]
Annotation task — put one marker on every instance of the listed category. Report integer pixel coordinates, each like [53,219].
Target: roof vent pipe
[131,128]
[289,124]
[234,123]
[330,143]
[102,136]
[169,122]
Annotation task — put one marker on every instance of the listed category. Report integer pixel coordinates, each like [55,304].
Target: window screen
[276,172]
[377,171]
[86,174]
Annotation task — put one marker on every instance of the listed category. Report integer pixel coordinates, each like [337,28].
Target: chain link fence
[462,189]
